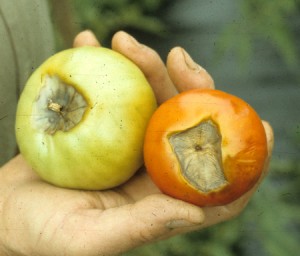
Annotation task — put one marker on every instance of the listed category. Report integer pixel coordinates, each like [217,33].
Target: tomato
[82,116]
[205,146]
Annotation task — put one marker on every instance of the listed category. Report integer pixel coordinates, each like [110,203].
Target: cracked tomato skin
[243,145]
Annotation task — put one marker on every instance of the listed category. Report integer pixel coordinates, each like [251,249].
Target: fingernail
[190,62]
[134,41]
[89,34]
[86,37]
[172,224]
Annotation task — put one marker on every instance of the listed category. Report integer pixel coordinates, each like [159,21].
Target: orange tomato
[205,147]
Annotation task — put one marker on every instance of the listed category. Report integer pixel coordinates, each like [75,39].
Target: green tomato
[82,116]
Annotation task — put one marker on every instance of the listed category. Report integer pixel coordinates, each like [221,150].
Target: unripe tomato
[205,146]
[82,116]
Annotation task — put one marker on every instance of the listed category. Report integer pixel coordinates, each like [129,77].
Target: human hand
[181,73]
[37,218]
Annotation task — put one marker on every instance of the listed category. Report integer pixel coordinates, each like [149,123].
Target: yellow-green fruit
[82,116]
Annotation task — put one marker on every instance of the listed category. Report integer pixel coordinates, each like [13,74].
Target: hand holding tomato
[40,219]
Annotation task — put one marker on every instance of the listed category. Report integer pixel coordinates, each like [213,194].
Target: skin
[39,219]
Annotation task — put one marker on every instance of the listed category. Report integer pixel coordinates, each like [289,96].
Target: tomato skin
[243,144]
[105,148]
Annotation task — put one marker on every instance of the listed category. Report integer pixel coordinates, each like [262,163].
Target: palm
[61,214]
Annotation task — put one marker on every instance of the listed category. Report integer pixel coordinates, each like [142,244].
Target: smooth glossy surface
[243,145]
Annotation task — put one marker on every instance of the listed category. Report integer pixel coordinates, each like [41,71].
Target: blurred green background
[252,50]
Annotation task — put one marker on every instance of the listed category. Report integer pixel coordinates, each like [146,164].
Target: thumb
[120,229]
[159,214]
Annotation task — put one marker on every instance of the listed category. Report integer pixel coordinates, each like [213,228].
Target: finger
[214,215]
[270,137]
[17,171]
[185,73]
[139,186]
[149,62]
[86,38]
[117,230]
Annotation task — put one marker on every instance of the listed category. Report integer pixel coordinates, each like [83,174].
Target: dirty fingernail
[134,41]
[190,62]
[172,224]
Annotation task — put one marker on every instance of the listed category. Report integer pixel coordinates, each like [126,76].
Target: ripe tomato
[205,147]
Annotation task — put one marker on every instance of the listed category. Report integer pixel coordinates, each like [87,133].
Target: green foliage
[263,21]
[107,16]
[296,136]
[274,213]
